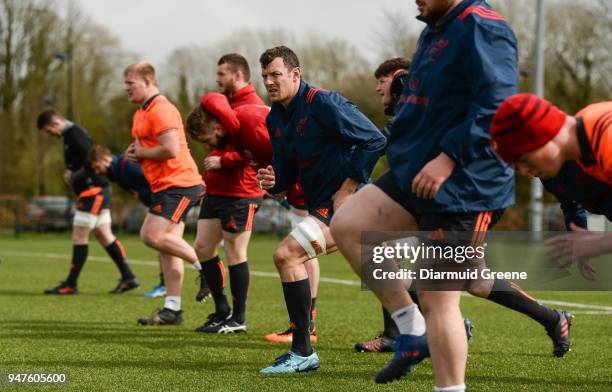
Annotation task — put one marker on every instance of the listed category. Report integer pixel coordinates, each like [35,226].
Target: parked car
[49,213]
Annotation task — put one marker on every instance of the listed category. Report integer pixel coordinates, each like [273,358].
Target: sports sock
[454,388]
[413,293]
[390,329]
[313,313]
[512,296]
[116,252]
[409,320]
[214,273]
[79,255]
[239,284]
[161,279]
[173,303]
[197,266]
[298,301]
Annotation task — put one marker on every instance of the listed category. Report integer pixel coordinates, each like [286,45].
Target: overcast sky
[152,28]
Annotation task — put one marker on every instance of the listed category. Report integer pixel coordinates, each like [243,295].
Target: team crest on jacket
[300,128]
[435,52]
[277,133]
[413,83]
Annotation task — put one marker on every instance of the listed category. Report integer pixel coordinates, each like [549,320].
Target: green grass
[94,337]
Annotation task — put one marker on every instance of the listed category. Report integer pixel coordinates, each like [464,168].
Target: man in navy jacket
[321,139]
[444,174]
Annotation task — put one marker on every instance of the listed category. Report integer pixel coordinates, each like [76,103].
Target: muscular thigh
[371,209]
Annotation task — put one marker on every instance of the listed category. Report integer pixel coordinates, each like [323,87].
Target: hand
[579,246]
[348,187]
[68,177]
[212,163]
[266,178]
[130,153]
[427,183]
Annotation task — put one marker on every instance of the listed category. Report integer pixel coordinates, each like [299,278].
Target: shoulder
[484,20]
[321,99]
[162,106]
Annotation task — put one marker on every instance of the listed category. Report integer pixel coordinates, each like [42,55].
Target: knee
[342,229]
[479,288]
[431,304]
[149,238]
[282,257]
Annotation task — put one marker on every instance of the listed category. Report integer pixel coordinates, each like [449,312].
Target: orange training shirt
[595,138]
[150,121]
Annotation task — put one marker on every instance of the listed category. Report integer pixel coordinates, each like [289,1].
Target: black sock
[239,283]
[313,313]
[117,253]
[298,301]
[391,330]
[161,279]
[511,296]
[413,294]
[79,255]
[215,277]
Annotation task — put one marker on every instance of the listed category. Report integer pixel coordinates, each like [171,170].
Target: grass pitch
[94,337]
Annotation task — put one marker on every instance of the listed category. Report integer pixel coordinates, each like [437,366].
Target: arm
[169,147]
[491,72]
[573,213]
[354,129]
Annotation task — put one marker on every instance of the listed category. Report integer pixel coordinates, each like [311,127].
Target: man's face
[282,84]
[383,88]
[136,88]
[214,137]
[55,127]
[226,79]
[433,10]
[544,162]
[102,164]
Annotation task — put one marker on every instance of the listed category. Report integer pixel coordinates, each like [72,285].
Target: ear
[297,73]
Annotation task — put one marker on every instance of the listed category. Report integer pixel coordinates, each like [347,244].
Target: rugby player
[160,146]
[322,139]
[93,205]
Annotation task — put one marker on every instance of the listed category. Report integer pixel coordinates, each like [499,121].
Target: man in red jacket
[240,144]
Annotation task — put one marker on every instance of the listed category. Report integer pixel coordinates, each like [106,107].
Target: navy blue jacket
[129,176]
[578,191]
[322,139]
[462,70]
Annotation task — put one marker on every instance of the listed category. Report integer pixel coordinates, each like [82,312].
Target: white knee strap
[309,235]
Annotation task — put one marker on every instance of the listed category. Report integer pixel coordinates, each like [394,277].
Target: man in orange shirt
[539,138]
[161,148]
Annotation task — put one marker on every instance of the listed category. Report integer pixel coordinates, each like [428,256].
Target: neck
[567,138]
[239,85]
[152,92]
[287,101]
[451,7]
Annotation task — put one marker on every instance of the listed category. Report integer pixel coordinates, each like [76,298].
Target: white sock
[173,302]
[409,320]
[454,388]
[197,266]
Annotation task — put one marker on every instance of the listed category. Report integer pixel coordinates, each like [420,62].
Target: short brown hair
[97,152]
[46,117]
[390,66]
[143,69]
[236,62]
[289,57]
[198,121]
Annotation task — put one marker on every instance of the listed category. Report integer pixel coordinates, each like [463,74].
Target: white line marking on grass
[593,309]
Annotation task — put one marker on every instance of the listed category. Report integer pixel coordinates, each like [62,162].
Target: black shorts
[174,203]
[324,212]
[236,213]
[93,200]
[457,230]
[447,221]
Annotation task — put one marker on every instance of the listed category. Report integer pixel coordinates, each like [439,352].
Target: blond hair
[143,69]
